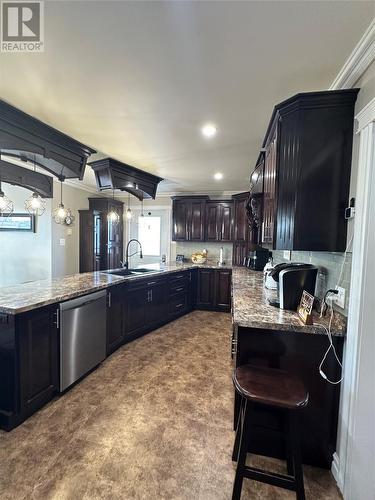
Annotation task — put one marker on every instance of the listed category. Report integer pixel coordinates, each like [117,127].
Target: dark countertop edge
[118,280]
[277,327]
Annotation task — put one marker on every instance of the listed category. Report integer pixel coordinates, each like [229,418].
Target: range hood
[113,174]
[23,136]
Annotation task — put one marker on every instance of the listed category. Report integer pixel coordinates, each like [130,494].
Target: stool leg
[243,446]
[288,447]
[238,432]
[297,459]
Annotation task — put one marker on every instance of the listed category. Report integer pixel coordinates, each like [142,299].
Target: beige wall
[65,258]
[25,256]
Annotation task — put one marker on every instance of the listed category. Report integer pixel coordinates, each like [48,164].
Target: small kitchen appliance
[258,259]
[293,279]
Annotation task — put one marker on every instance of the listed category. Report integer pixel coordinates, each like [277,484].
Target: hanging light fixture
[35,204]
[6,205]
[129,213]
[62,215]
[142,214]
[113,215]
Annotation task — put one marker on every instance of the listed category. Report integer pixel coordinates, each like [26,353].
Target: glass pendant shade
[35,205]
[62,215]
[129,214]
[6,205]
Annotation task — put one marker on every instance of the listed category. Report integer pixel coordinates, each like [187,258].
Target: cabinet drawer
[179,287]
[178,304]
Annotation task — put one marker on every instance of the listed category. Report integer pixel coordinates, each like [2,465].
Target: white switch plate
[287,254]
[62,242]
[340,297]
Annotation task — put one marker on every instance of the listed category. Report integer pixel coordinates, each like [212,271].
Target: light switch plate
[340,297]
[287,254]
[62,242]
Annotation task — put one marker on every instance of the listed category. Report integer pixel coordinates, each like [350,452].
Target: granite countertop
[27,296]
[250,308]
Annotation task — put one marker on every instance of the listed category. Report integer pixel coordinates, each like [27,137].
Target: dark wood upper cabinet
[188,218]
[307,166]
[101,240]
[199,219]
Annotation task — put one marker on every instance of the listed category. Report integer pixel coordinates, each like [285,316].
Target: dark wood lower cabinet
[115,317]
[214,289]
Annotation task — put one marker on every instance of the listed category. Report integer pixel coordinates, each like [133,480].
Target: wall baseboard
[337,472]
[358,61]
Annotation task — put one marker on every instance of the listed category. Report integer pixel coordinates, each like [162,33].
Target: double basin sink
[131,272]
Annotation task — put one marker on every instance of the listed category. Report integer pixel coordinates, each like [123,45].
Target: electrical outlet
[340,297]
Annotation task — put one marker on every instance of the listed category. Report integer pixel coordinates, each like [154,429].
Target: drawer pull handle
[179,289]
[179,305]
[151,283]
[179,276]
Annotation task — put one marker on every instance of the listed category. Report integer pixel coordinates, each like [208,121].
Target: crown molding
[358,61]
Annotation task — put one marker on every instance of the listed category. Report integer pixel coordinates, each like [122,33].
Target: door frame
[364,225]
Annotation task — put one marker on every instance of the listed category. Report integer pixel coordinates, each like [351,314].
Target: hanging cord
[328,330]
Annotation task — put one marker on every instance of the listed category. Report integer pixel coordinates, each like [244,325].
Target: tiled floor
[152,422]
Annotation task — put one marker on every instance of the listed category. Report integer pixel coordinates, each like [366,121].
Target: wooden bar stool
[276,389]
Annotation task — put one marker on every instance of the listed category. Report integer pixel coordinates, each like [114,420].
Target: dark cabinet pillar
[38,358]
[222,300]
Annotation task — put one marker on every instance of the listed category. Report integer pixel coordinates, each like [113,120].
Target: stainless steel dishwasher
[82,336]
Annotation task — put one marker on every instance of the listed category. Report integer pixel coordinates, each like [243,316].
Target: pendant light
[113,215]
[35,204]
[142,214]
[6,205]
[62,215]
[129,213]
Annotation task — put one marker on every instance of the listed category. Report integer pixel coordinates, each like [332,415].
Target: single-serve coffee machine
[293,279]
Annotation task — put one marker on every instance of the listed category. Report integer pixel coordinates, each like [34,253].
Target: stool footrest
[267,477]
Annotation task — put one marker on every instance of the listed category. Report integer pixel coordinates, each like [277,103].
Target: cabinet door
[241,226]
[205,289]
[212,221]
[114,244]
[157,304]
[38,358]
[240,250]
[180,220]
[268,225]
[135,318]
[115,318]
[226,222]
[196,221]
[223,289]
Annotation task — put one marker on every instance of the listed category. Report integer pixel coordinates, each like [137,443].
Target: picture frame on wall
[17,222]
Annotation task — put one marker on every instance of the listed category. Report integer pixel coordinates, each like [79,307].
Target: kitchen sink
[131,272]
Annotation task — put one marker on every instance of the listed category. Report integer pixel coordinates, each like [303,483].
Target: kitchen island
[264,335]
[30,326]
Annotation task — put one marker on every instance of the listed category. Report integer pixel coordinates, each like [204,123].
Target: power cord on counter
[328,330]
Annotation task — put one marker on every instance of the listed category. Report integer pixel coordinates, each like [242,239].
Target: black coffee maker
[257,259]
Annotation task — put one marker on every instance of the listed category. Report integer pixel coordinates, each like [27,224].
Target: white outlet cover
[62,242]
[340,297]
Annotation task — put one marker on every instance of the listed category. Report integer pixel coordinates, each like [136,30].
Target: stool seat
[270,387]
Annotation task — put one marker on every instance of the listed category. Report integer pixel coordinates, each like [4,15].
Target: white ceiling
[136,80]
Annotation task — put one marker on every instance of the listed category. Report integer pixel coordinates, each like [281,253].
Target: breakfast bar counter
[266,336]
[251,309]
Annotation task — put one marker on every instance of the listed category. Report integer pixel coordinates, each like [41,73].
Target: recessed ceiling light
[209,130]
[218,176]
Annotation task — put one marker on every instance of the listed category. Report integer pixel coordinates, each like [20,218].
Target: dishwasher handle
[82,301]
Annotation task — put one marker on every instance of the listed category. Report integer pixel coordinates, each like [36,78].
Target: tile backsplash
[213,249]
[329,270]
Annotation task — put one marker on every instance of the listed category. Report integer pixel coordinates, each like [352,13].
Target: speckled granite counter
[27,296]
[250,308]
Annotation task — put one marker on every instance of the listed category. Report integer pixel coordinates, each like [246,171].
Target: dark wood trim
[28,179]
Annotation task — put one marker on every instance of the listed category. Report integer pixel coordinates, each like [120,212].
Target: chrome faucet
[126,263]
